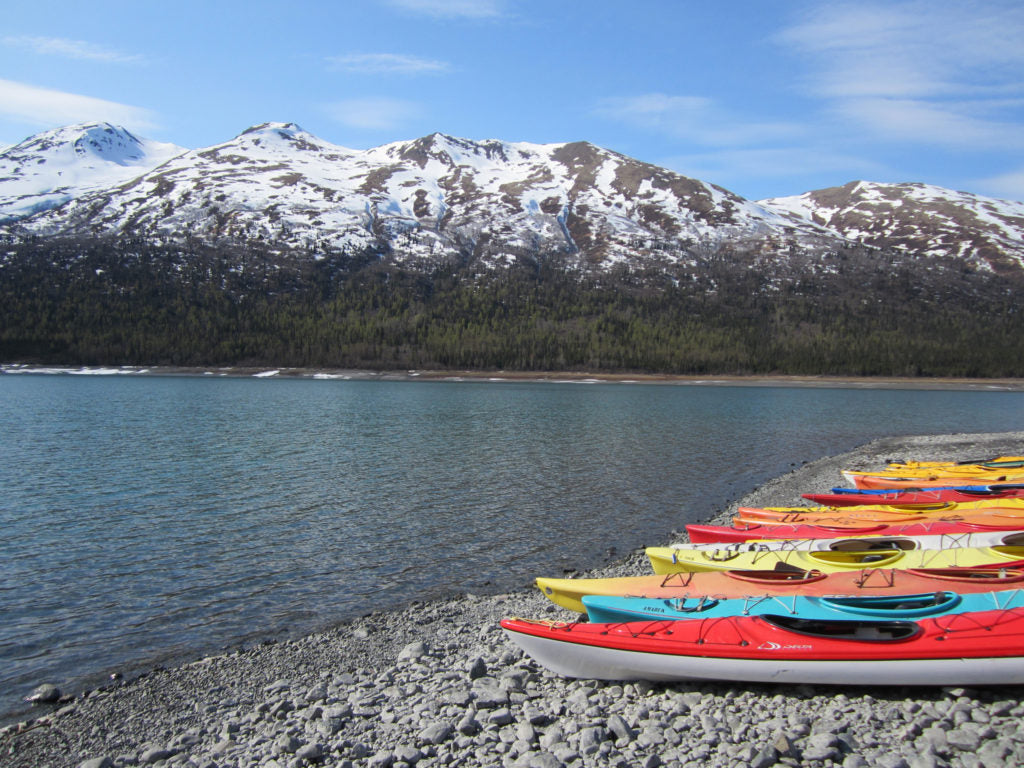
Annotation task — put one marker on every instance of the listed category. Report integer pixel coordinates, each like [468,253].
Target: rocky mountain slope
[485,203]
[435,197]
[917,218]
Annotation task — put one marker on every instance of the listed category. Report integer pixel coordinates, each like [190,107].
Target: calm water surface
[148,519]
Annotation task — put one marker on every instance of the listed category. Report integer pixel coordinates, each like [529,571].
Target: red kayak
[841,497]
[983,648]
[711,534]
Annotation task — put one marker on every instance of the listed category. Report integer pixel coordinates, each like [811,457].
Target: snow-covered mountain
[441,197]
[917,218]
[436,196]
[51,168]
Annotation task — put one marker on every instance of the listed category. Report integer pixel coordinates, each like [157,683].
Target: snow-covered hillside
[51,168]
[432,197]
[917,218]
[441,197]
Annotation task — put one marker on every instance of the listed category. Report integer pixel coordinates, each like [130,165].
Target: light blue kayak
[608,609]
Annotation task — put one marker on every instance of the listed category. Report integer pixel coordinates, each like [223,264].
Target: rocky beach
[438,684]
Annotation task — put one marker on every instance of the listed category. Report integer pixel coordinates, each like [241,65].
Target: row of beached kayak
[883,583]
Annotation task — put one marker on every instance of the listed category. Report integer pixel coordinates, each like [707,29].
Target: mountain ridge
[884,215]
[443,197]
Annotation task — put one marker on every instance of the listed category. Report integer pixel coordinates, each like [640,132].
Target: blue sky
[763,98]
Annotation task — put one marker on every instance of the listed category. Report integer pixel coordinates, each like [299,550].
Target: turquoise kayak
[610,609]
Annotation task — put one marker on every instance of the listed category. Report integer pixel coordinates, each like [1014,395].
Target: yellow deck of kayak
[971,474]
[926,508]
[680,560]
[993,462]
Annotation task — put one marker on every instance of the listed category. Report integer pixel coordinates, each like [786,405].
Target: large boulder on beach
[44,694]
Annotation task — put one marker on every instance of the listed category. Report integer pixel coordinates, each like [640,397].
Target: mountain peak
[52,167]
[283,130]
[99,139]
[283,137]
[450,151]
[918,218]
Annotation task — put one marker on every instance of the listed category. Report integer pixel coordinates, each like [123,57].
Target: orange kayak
[941,510]
[569,593]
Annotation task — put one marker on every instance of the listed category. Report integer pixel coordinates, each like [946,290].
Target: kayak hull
[960,649]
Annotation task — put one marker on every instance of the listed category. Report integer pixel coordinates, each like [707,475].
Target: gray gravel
[437,684]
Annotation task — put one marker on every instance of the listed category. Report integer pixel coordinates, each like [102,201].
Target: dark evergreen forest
[137,303]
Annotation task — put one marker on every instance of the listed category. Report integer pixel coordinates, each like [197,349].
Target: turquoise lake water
[150,519]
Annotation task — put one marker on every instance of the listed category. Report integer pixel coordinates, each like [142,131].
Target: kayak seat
[884,631]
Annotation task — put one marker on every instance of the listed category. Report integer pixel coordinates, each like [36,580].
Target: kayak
[847,497]
[610,608]
[932,479]
[889,511]
[995,461]
[676,559]
[958,649]
[1011,464]
[705,534]
[569,593]
[871,543]
[841,519]
[895,483]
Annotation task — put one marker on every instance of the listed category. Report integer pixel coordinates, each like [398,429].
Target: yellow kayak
[840,522]
[993,462]
[932,477]
[681,560]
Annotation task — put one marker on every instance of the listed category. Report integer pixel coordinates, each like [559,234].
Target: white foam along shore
[550,377]
[438,684]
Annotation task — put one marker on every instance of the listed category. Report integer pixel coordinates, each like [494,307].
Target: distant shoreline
[576,377]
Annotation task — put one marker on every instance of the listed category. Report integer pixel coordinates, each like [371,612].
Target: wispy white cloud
[954,124]
[935,71]
[693,118]
[470,9]
[387,64]
[373,113]
[914,47]
[70,49]
[46,107]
